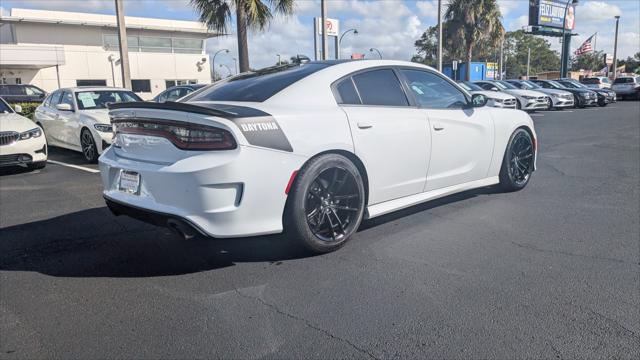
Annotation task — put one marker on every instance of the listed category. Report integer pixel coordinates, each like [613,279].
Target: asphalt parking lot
[552,271]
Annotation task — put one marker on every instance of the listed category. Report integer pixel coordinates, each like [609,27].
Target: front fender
[506,122]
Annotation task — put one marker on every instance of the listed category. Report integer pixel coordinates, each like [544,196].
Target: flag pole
[595,42]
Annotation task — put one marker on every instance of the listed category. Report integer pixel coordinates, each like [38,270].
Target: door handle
[438,127]
[364,125]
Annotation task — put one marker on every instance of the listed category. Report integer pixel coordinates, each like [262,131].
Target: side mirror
[494,89]
[17,108]
[479,100]
[64,107]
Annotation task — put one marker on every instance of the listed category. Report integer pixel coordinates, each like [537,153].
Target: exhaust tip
[181,228]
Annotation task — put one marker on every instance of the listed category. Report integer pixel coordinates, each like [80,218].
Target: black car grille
[15,159]
[8,137]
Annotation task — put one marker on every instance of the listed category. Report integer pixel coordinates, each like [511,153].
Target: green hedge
[28,108]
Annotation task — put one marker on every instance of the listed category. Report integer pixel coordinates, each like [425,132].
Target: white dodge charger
[311,149]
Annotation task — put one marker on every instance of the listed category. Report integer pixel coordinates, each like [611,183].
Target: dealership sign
[332,26]
[551,13]
[608,59]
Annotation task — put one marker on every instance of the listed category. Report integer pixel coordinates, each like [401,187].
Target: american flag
[585,47]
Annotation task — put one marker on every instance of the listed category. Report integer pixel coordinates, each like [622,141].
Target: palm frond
[215,14]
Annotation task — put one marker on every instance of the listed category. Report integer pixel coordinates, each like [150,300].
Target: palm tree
[472,21]
[253,14]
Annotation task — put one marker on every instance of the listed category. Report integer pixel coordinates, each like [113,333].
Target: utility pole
[325,44]
[501,59]
[124,48]
[615,50]
[528,62]
[440,35]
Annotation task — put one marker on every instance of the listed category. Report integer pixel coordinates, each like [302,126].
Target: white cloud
[518,23]
[71,5]
[429,9]
[506,6]
[597,11]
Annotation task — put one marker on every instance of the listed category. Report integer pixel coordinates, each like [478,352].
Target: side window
[55,98]
[67,98]
[163,97]
[173,94]
[380,87]
[32,90]
[47,101]
[432,91]
[347,92]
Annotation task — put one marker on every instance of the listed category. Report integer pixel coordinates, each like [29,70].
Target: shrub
[28,108]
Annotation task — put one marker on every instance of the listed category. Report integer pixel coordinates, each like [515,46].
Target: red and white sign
[357,56]
[332,26]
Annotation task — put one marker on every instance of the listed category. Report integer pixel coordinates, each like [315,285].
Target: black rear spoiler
[170,105]
[221,110]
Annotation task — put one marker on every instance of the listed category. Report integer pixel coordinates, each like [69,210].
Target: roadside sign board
[551,13]
[608,59]
[454,65]
[332,26]
[492,70]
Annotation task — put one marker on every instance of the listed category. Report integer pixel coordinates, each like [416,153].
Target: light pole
[615,49]
[355,32]
[235,62]
[278,59]
[440,35]
[528,61]
[213,62]
[124,48]
[566,41]
[325,44]
[378,51]
[228,69]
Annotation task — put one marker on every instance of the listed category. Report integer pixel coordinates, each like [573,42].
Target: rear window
[347,92]
[380,87]
[257,86]
[623,81]
[591,81]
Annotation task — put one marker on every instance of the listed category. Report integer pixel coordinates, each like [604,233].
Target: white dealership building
[53,49]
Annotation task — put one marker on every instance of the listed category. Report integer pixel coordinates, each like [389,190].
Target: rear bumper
[238,193]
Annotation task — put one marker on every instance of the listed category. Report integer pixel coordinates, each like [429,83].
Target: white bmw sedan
[78,119]
[311,149]
[21,141]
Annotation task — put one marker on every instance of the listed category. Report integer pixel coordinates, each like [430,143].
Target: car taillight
[184,136]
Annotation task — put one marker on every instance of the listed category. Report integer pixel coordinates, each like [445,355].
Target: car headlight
[103,127]
[33,133]
[529,97]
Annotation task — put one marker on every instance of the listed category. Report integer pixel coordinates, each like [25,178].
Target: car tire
[327,203]
[88,144]
[518,104]
[37,165]
[550,107]
[518,160]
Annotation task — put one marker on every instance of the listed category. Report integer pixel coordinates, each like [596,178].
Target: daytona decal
[263,131]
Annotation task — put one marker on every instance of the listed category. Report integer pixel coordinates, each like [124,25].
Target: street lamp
[235,62]
[355,32]
[565,44]
[111,59]
[213,62]
[378,51]
[278,55]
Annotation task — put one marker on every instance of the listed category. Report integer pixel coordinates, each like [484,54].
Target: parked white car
[312,148]
[627,87]
[525,99]
[78,119]
[560,99]
[21,140]
[597,82]
[496,99]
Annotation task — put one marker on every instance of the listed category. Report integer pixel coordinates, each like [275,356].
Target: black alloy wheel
[326,203]
[88,144]
[332,204]
[518,162]
[549,103]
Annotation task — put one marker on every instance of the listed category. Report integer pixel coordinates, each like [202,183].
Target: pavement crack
[307,323]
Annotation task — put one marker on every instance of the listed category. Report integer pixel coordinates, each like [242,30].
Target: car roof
[92,88]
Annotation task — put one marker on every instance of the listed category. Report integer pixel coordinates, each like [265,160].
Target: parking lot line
[93,171]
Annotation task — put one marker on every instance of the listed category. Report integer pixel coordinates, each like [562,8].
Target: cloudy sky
[388,25]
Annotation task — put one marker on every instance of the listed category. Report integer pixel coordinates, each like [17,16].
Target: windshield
[569,84]
[555,84]
[505,85]
[470,86]
[591,81]
[89,100]
[531,85]
[4,108]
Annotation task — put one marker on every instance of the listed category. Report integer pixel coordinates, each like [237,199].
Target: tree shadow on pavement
[95,243]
